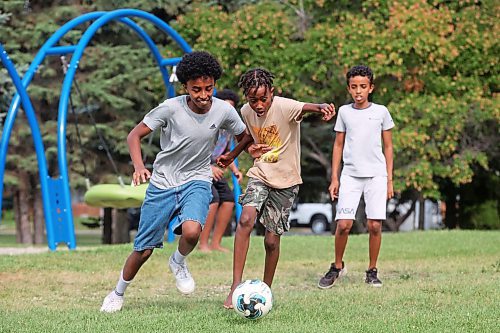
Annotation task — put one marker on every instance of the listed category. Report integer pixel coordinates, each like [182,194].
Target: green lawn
[435,281]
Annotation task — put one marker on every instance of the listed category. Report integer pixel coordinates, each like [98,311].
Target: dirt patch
[12,251]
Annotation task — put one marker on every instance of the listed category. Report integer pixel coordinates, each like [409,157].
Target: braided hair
[255,78]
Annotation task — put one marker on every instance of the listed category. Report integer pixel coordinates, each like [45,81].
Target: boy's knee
[344,227]
[374,227]
[271,245]
[191,232]
[145,254]
[246,222]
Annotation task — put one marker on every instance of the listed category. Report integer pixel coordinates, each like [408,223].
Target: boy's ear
[372,86]
[271,90]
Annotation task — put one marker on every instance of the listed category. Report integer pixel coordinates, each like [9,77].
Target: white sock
[122,285]
[178,257]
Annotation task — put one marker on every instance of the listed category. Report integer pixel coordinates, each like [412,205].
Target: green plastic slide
[115,195]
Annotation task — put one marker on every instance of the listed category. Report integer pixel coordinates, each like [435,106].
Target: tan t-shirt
[280,128]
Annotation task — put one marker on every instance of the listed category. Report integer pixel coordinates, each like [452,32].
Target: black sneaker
[372,279]
[331,276]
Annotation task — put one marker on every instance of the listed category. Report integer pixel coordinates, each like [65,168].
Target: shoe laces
[372,273]
[332,271]
[182,271]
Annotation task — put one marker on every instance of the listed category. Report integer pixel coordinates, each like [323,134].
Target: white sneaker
[112,303]
[183,279]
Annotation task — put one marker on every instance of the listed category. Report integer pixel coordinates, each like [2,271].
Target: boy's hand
[217,173]
[256,150]
[334,189]
[140,176]
[328,111]
[224,160]
[390,189]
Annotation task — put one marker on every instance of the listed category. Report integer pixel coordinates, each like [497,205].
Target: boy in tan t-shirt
[274,124]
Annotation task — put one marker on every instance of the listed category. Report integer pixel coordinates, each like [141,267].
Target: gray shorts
[273,205]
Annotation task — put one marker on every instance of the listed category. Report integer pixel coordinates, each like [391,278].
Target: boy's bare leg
[272,246]
[224,214]
[205,234]
[134,262]
[341,236]
[241,243]
[375,239]
[191,231]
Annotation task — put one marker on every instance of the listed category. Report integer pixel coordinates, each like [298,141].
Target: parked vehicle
[317,216]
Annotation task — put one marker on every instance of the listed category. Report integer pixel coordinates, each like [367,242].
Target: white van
[317,216]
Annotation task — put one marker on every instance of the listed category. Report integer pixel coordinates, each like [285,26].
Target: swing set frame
[56,196]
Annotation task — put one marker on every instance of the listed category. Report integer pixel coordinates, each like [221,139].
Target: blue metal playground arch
[56,196]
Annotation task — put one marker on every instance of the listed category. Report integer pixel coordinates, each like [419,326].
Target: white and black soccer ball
[252,299]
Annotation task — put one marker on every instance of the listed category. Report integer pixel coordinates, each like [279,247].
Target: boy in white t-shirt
[361,129]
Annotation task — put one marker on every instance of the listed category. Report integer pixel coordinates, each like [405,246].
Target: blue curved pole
[49,49]
[14,105]
[39,148]
[236,189]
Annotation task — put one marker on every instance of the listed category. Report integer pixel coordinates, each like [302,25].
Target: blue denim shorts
[188,202]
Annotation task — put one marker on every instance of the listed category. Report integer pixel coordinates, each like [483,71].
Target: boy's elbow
[132,137]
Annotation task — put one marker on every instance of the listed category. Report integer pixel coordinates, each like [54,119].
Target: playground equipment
[56,197]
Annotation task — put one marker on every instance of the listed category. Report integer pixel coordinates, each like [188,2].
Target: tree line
[435,62]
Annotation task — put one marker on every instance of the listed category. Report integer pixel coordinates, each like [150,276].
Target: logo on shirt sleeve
[213,126]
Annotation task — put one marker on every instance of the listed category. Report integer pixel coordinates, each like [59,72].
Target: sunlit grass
[441,281]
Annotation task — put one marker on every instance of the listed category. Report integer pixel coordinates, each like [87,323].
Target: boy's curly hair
[255,78]
[228,94]
[198,64]
[360,70]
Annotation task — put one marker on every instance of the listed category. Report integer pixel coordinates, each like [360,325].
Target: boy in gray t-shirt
[180,186]
[367,170]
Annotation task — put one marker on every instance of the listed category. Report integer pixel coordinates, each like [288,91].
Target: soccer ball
[252,299]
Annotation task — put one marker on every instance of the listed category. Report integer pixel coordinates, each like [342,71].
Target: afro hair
[360,70]
[198,64]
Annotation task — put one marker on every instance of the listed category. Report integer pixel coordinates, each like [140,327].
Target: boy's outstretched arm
[141,174]
[389,161]
[328,110]
[338,147]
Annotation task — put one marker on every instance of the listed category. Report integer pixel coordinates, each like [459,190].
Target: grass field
[435,281]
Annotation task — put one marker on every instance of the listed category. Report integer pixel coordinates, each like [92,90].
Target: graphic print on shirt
[269,136]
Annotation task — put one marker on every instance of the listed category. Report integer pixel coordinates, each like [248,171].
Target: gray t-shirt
[362,153]
[187,139]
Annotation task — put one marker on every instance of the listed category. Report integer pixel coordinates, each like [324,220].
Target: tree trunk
[421,212]
[38,218]
[17,215]
[120,227]
[106,226]
[23,228]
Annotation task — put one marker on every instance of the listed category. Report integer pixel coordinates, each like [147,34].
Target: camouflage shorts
[273,205]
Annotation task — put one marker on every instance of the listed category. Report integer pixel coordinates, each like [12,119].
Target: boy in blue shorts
[274,124]
[361,129]
[180,185]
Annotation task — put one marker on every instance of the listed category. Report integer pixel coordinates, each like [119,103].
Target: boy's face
[200,90]
[359,88]
[260,100]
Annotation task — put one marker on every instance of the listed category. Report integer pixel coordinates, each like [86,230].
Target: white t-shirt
[362,155]
[187,139]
